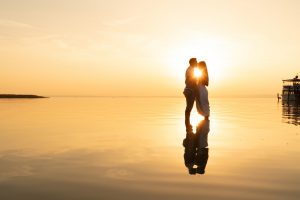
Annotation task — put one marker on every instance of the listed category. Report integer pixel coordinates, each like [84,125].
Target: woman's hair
[203,68]
[202,64]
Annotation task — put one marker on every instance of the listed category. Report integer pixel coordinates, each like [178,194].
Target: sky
[142,48]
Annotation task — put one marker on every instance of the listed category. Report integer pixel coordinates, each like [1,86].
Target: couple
[195,90]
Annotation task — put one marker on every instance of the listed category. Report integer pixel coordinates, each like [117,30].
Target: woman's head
[202,64]
[204,79]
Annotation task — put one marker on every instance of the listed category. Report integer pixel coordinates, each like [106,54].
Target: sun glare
[197,72]
[195,118]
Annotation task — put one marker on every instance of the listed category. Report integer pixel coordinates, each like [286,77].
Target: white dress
[202,102]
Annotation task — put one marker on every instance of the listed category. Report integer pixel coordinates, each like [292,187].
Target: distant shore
[27,96]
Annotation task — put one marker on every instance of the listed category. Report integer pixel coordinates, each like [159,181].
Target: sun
[197,72]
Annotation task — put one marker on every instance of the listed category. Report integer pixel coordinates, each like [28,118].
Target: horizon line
[161,96]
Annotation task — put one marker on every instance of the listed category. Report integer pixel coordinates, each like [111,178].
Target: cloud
[120,22]
[24,34]
[14,24]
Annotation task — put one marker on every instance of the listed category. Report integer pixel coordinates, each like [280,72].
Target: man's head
[193,62]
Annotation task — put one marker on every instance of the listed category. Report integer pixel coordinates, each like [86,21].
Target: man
[190,86]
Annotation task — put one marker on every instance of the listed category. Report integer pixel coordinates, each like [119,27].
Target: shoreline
[17,96]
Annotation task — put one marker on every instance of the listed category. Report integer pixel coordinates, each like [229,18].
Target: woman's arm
[206,77]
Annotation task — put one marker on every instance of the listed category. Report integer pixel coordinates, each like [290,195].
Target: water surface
[131,148]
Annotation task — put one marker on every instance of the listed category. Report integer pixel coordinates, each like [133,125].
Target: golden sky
[139,47]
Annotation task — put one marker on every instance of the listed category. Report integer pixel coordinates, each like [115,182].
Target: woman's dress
[202,102]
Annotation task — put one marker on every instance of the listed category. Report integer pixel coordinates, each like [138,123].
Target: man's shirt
[190,80]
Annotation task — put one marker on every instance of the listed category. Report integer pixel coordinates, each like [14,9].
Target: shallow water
[131,148]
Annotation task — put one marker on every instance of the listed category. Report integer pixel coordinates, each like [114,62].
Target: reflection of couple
[196,148]
[195,90]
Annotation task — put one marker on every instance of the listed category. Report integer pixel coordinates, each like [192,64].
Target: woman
[202,102]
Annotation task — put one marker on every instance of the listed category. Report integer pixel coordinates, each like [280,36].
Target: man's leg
[190,98]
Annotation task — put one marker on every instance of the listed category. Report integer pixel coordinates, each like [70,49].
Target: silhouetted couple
[196,80]
[196,145]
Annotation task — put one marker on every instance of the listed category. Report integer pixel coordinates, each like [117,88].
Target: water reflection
[291,112]
[196,148]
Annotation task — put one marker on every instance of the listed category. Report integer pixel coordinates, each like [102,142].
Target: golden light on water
[197,72]
[195,118]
